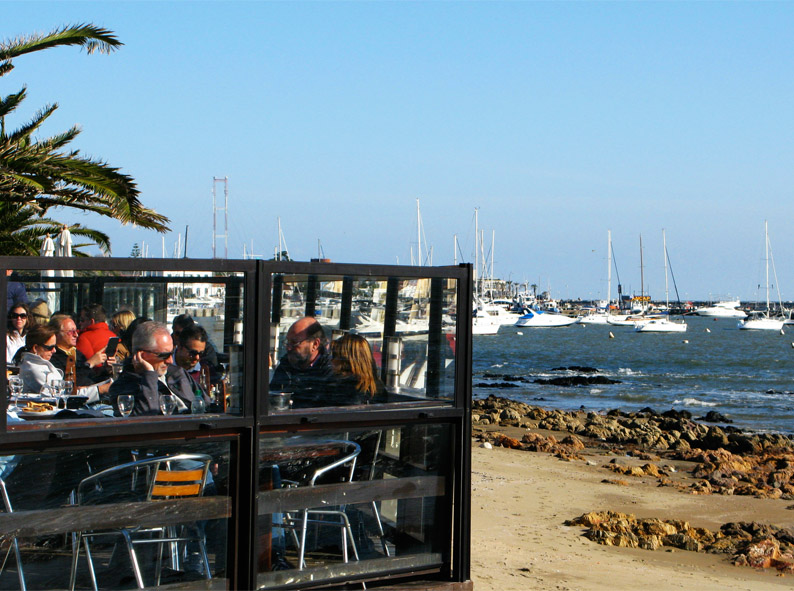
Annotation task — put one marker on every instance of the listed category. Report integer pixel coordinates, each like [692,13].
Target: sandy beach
[521,499]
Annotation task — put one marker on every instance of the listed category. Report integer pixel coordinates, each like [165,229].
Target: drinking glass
[198,406]
[47,391]
[15,385]
[167,404]
[126,402]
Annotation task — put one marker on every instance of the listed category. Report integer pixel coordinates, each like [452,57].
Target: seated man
[306,368]
[73,363]
[94,330]
[191,344]
[149,374]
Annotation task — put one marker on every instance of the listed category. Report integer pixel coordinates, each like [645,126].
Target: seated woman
[119,323]
[35,368]
[18,319]
[355,378]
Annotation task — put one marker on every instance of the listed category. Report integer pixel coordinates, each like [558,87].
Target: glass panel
[383,340]
[90,313]
[372,500]
[176,490]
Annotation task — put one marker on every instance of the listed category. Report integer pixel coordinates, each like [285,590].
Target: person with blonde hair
[119,323]
[356,380]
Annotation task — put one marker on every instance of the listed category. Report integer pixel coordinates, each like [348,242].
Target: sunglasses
[14,316]
[162,356]
[194,353]
[48,347]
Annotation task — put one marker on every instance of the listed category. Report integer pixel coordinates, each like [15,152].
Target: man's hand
[97,358]
[140,364]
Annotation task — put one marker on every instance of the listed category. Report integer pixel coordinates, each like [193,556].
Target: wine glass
[126,402]
[15,385]
[167,404]
[47,391]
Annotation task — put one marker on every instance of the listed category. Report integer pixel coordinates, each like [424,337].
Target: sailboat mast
[642,274]
[476,252]
[609,268]
[666,289]
[419,233]
[766,243]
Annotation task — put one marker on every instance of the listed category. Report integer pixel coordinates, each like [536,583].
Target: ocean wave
[627,371]
[595,391]
[694,402]
[498,365]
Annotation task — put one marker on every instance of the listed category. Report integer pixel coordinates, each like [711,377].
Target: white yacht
[663,324]
[539,318]
[724,309]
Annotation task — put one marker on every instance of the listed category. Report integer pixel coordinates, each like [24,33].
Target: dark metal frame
[244,430]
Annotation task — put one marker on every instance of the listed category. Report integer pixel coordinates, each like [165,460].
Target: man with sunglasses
[305,370]
[149,373]
[192,342]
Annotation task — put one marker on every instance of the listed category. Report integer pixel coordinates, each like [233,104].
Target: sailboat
[601,315]
[663,323]
[640,305]
[482,323]
[765,320]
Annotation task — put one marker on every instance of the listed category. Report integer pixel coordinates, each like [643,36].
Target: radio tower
[225,210]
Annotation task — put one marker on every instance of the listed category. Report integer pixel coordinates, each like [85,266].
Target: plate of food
[36,410]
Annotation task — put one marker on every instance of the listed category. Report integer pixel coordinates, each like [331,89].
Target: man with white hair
[150,373]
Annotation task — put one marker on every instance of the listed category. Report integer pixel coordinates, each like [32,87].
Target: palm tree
[37,175]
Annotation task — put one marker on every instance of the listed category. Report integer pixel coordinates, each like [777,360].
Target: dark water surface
[745,375]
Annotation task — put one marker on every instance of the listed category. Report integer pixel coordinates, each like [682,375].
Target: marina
[744,375]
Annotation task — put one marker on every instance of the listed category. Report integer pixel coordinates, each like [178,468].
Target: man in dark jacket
[306,368]
[150,374]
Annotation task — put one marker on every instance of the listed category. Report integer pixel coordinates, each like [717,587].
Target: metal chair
[169,477]
[14,543]
[340,470]
[367,470]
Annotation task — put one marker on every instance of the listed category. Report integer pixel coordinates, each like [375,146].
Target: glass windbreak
[336,506]
[79,344]
[83,504]
[351,341]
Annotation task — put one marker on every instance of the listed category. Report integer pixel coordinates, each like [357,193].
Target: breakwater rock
[728,460]
[648,429]
[749,543]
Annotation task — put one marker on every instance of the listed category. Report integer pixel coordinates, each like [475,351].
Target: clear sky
[559,121]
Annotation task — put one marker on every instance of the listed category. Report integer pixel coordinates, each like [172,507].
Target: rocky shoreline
[719,460]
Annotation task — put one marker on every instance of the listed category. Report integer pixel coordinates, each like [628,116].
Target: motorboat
[662,324]
[762,321]
[724,309]
[629,319]
[542,319]
[484,325]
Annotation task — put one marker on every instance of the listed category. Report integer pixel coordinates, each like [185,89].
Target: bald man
[306,368]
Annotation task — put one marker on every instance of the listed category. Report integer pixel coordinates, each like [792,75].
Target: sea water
[744,375]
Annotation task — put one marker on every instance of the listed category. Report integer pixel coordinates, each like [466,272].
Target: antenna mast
[225,210]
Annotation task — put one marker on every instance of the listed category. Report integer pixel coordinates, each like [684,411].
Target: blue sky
[559,121]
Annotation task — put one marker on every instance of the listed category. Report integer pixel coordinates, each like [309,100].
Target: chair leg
[77,538]
[380,528]
[203,548]
[20,571]
[302,544]
[133,558]
[350,534]
[90,560]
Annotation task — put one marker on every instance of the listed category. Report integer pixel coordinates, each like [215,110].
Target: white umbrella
[63,248]
[48,250]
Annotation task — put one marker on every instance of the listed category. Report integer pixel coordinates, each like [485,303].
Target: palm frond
[91,37]
[10,102]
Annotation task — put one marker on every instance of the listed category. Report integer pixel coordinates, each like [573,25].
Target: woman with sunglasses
[35,368]
[17,329]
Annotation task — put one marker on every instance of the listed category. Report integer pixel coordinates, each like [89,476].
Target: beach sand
[520,500]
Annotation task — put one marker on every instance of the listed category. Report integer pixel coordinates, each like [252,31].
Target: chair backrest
[172,481]
[348,451]
[115,484]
